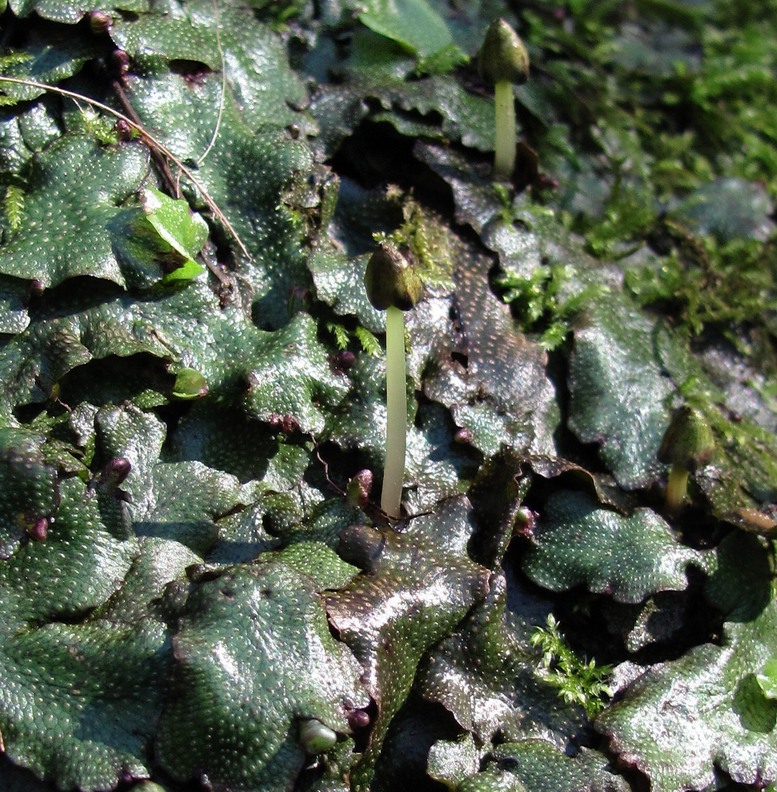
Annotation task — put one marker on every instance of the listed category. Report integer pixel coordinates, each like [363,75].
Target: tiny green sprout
[687,444]
[767,678]
[315,737]
[359,487]
[392,285]
[504,61]
[13,206]
[189,384]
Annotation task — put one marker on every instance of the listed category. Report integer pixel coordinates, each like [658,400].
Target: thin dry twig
[215,134]
[161,162]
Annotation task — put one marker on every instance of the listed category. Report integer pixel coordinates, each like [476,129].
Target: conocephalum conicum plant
[392,285]
[504,61]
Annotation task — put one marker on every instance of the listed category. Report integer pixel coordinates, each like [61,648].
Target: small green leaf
[576,681]
[767,679]
[413,24]
[369,343]
[315,737]
[340,334]
[188,271]
[101,127]
[185,231]
[13,206]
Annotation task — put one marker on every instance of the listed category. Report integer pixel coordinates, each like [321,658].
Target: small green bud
[391,281]
[767,678]
[688,442]
[189,384]
[359,488]
[315,737]
[503,56]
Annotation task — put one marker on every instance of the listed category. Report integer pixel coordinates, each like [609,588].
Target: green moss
[633,114]
[542,305]
[426,234]
[705,283]
[577,680]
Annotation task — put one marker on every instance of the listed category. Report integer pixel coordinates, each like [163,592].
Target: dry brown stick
[162,164]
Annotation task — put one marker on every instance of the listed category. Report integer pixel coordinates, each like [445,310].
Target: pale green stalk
[396,407]
[504,156]
[687,444]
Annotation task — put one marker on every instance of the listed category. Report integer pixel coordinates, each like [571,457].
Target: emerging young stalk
[393,286]
[504,61]
[687,444]
[396,410]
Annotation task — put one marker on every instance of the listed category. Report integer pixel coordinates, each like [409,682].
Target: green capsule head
[391,281]
[503,55]
[688,442]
